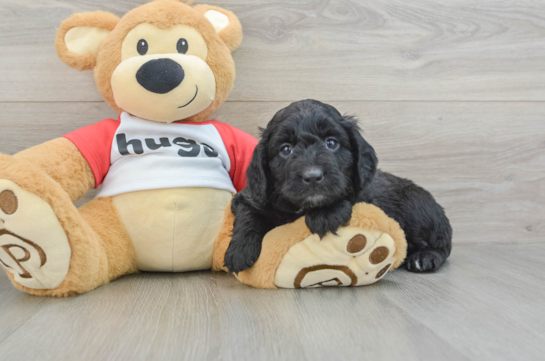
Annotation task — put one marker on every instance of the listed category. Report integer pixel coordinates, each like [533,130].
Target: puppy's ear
[365,162]
[257,185]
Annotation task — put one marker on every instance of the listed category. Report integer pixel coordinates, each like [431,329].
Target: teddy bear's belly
[173,229]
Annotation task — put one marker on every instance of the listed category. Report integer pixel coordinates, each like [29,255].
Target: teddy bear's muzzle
[163,87]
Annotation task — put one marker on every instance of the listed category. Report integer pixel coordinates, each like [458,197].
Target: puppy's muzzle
[160,76]
[313,176]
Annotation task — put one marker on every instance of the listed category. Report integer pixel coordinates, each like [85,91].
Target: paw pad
[354,257]
[356,244]
[342,276]
[33,245]
[378,255]
[382,271]
[8,202]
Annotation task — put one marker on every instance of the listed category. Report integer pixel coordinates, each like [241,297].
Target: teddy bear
[168,172]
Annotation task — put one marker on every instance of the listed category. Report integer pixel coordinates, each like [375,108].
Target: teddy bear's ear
[225,22]
[79,37]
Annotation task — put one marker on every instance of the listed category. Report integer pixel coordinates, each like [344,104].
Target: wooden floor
[485,304]
[451,95]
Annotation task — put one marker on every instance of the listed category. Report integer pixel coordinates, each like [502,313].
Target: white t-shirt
[145,155]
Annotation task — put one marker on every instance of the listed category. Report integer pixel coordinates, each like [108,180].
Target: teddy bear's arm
[63,162]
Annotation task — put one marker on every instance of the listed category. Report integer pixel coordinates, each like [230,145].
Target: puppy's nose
[160,75]
[313,175]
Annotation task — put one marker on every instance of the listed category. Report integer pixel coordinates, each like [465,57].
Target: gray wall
[451,96]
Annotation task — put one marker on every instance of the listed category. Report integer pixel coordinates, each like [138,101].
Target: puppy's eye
[182,46]
[286,150]
[331,143]
[142,47]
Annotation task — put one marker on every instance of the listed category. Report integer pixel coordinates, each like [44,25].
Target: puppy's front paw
[323,220]
[242,255]
[424,261]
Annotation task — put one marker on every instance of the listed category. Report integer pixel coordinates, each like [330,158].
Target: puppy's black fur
[313,161]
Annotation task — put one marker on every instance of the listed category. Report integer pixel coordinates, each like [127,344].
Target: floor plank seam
[291,100]
[491,243]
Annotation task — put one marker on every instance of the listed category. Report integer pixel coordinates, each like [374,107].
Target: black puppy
[312,161]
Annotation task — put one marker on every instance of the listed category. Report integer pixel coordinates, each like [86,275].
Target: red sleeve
[240,146]
[95,143]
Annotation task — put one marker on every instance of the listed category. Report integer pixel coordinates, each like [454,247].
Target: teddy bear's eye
[182,46]
[142,47]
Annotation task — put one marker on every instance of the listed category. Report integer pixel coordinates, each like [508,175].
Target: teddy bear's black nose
[160,75]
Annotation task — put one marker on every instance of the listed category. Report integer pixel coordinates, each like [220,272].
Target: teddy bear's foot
[291,257]
[354,257]
[33,245]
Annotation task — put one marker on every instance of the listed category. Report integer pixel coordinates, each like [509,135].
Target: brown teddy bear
[168,173]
